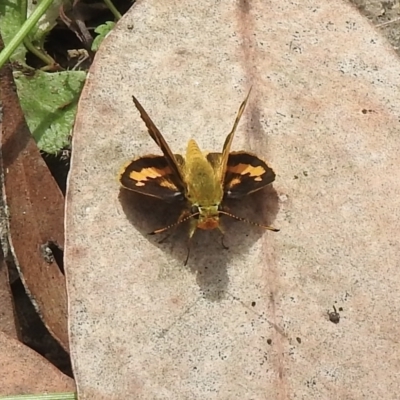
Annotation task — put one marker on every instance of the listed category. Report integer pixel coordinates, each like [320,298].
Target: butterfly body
[201,180]
[204,191]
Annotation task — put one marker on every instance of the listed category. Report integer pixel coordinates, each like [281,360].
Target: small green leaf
[102,31]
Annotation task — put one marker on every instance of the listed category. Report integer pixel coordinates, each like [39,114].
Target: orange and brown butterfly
[201,180]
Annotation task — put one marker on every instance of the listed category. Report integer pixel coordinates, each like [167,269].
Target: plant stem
[47,396]
[112,8]
[26,27]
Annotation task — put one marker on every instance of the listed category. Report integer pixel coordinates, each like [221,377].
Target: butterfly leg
[166,237]
[192,230]
[183,215]
[188,253]
[222,237]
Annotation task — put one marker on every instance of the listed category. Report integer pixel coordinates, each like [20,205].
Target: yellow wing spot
[167,184]
[244,169]
[234,182]
[148,173]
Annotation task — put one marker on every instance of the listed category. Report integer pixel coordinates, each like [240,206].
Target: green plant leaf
[49,102]
[102,31]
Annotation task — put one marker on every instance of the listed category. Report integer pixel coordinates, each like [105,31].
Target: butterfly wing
[176,175]
[241,173]
[152,175]
[228,141]
[245,174]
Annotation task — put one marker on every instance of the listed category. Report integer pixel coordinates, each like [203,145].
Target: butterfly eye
[194,209]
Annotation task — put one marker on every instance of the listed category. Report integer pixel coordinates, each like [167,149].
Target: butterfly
[202,181]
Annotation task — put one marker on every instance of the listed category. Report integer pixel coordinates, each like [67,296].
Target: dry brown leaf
[23,371]
[251,322]
[8,322]
[36,208]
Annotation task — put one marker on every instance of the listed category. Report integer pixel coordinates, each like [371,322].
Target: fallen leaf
[250,322]
[36,209]
[23,371]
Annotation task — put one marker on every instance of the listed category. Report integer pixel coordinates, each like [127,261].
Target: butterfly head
[205,217]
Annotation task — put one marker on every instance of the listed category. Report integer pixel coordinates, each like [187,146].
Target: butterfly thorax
[204,190]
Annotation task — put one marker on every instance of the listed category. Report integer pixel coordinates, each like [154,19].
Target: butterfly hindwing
[215,160]
[245,174]
[152,175]
[176,175]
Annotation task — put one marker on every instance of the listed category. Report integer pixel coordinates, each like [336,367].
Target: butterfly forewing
[177,176]
[228,141]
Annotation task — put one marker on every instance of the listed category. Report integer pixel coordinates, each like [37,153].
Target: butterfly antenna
[161,230]
[270,228]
